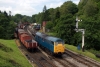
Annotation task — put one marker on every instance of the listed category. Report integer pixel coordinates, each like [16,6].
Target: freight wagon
[27,40]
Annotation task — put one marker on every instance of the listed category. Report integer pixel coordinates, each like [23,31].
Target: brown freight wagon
[27,40]
[21,31]
[24,37]
[31,44]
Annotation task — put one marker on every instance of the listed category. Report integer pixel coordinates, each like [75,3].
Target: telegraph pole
[80,30]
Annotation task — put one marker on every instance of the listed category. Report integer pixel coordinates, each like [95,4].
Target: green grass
[10,55]
[86,53]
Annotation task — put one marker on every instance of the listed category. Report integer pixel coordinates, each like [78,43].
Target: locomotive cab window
[59,42]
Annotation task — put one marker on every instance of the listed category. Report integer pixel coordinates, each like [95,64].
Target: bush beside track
[10,56]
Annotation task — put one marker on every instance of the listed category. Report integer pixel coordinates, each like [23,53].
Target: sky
[30,7]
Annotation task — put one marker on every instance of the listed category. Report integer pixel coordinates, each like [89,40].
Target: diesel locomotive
[53,44]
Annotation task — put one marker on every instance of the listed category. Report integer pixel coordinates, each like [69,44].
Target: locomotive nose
[59,48]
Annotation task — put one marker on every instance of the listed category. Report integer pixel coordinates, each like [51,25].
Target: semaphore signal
[80,30]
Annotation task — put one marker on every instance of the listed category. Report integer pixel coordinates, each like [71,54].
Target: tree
[64,28]
[68,7]
[6,26]
[89,13]
[45,14]
[51,14]
[57,13]
[33,18]
[90,9]
[5,13]
[49,25]
[26,19]
[1,32]
[17,18]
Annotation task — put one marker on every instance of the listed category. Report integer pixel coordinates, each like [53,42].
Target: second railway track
[36,57]
[82,59]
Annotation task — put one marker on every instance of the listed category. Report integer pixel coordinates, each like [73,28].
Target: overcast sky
[30,7]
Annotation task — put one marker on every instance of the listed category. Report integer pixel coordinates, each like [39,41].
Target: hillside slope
[10,56]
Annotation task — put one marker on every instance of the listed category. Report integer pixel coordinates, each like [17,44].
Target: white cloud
[7,1]
[76,1]
[29,7]
[7,9]
[4,8]
[54,5]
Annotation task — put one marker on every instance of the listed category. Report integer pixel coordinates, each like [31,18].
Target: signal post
[80,30]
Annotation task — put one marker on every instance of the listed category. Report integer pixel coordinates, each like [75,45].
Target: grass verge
[86,53]
[10,56]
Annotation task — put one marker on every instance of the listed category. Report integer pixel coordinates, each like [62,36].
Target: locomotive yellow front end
[59,48]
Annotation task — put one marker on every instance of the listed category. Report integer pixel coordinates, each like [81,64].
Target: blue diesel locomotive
[53,44]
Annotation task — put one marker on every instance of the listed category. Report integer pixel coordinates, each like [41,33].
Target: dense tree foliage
[68,7]
[45,14]
[21,18]
[64,28]
[90,14]
[6,26]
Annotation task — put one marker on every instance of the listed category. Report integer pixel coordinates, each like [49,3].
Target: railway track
[37,57]
[25,52]
[62,62]
[83,60]
[40,59]
[44,60]
[69,59]
[59,61]
[65,63]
